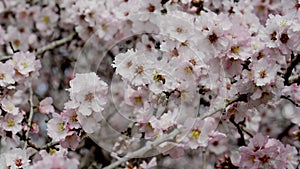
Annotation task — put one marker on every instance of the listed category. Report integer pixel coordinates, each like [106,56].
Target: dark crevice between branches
[241,140]
[285,132]
[289,99]
[289,70]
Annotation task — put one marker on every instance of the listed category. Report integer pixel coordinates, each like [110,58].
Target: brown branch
[47,47]
[143,150]
[54,44]
[289,99]
[241,141]
[289,70]
[29,118]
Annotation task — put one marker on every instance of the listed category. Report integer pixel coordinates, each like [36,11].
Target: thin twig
[54,44]
[242,142]
[289,99]
[245,131]
[143,150]
[221,107]
[285,132]
[47,47]
[29,118]
[289,70]
[170,136]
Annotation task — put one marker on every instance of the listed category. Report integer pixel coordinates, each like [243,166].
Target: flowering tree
[149,84]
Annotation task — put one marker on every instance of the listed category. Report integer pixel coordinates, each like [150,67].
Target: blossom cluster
[224,74]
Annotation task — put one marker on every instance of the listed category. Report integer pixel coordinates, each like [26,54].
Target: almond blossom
[87,93]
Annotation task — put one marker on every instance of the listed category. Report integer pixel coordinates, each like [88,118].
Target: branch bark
[143,150]
[170,136]
[289,70]
[47,47]
[29,118]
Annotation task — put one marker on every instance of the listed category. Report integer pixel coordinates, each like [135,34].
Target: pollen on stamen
[60,126]
[189,69]
[89,97]
[193,61]
[179,30]
[196,133]
[10,123]
[18,162]
[138,99]
[262,74]
[46,19]
[2,76]
[235,49]
[213,38]
[139,69]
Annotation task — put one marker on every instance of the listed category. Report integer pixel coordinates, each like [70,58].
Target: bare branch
[47,47]
[289,99]
[54,44]
[289,70]
[29,118]
[143,150]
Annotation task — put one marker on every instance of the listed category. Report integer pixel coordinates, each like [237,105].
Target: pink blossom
[70,116]
[9,107]
[200,133]
[90,123]
[56,160]
[12,122]
[56,128]
[264,71]
[71,141]
[24,62]
[6,74]
[87,93]
[15,158]
[46,20]
[45,106]
[19,40]
[152,163]
[263,152]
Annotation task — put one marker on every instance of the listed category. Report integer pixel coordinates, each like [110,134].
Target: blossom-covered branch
[47,47]
[29,118]
[145,149]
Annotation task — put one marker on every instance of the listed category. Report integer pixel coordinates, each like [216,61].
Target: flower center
[159,77]
[174,52]
[179,30]
[89,97]
[46,19]
[16,42]
[193,61]
[189,69]
[139,70]
[74,118]
[24,64]
[213,38]
[18,162]
[273,36]
[264,159]
[151,8]
[196,133]
[2,76]
[262,74]
[235,49]
[61,126]
[284,38]
[10,123]
[138,99]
